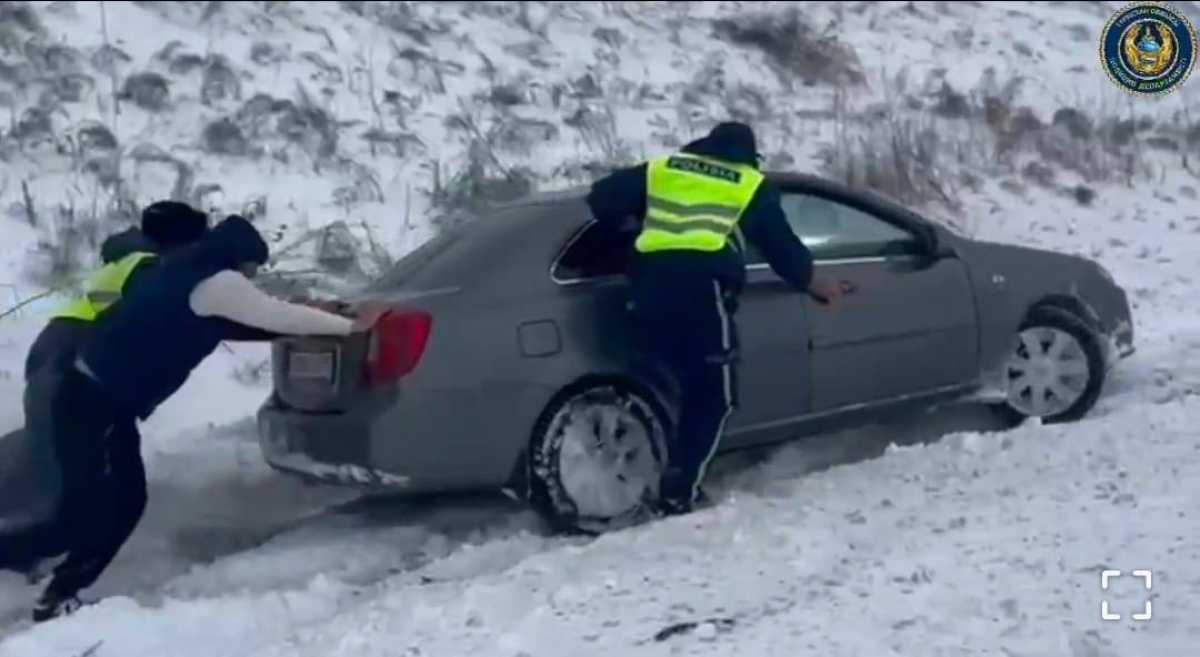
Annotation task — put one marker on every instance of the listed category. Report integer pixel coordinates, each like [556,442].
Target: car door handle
[847,287]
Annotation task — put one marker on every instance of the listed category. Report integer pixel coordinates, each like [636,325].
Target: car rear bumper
[333,449]
[413,438]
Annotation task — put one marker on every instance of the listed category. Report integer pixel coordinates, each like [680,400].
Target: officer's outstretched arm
[765,226]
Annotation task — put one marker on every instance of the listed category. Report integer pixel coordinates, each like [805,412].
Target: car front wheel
[596,456]
[1055,369]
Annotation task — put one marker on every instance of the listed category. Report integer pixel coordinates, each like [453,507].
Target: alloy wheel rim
[1047,371]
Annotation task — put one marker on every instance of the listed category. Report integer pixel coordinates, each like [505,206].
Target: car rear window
[416,264]
[463,242]
[595,252]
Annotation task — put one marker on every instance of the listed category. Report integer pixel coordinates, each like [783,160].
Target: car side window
[594,253]
[833,230]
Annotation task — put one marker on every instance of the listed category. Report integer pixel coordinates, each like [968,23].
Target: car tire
[596,455]
[1076,347]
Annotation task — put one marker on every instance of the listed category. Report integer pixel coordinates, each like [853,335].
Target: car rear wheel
[1055,370]
[596,457]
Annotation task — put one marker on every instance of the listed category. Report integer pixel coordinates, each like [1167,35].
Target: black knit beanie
[171,224]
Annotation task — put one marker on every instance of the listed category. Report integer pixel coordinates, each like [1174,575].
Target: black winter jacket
[147,344]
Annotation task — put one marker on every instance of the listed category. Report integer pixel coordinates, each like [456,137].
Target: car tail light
[397,341]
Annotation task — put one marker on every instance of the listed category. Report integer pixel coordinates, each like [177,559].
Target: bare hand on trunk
[328,305]
[367,315]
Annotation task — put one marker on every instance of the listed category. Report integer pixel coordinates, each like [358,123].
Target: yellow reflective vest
[103,288]
[694,203]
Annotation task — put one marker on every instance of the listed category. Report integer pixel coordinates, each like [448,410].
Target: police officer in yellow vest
[693,212]
[165,226]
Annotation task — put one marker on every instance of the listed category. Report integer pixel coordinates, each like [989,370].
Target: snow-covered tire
[1055,370]
[596,455]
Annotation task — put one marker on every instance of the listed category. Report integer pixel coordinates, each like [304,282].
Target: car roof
[786,178]
[792,180]
[525,234]
[575,193]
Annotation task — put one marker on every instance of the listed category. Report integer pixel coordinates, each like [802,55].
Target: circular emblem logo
[1148,48]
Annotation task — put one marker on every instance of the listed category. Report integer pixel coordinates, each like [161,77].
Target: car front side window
[832,230]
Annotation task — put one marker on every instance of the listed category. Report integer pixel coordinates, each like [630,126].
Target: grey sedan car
[505,363]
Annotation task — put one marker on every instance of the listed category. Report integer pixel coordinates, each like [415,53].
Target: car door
[772,330]
[909,327]
[773,386]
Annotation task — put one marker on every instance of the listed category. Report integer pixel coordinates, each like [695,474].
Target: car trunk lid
[324,374]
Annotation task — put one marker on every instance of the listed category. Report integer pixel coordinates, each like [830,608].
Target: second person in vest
[692,211]
[165,226]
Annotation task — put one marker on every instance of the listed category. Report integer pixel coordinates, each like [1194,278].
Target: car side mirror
[935,246]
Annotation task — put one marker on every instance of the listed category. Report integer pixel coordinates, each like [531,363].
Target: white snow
[955,540]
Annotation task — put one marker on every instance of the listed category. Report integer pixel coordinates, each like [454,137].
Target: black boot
[674,493]
[53,604]
[674,507]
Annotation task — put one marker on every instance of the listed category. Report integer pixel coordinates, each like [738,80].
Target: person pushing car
[165,226]
[136,358]
[694,211]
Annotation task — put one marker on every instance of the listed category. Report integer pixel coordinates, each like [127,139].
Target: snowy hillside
[392,116]
[388,115]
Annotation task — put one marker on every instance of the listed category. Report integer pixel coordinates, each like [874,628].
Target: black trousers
[51,355]
[103,479]
[688,328]
[56,346]
[22,549]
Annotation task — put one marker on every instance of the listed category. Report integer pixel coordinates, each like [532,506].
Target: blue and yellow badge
[1148,48]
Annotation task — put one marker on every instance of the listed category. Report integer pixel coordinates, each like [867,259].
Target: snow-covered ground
[980,543]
